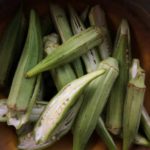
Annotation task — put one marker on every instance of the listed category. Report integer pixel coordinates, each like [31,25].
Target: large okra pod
[27,142]
[61,75]
[59,106]
[95,98]
[69,50]
[63,28]
[3,110]
[104,134]
[10,46]
[97,18]
[22,89]
[114,115]
[145,123]
[91,58]
[133,103]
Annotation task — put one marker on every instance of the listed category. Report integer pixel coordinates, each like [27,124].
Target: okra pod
[133,103]
[61,75]
[63,28]
[22,89]
[95,98]
[10,46]
[69,50]
[145,123]
[91,58]
[58,107]
[97,18]
[114,114]
[104,134]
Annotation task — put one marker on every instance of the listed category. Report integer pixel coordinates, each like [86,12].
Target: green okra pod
[95,98]
[133,103]
[91,58]
[64,30]
[97,18]
[69,50]
[10,46]
[61,75]
[114,113]
[22,89]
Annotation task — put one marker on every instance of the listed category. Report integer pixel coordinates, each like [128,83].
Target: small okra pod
[145,123]
[97,18]
[114,113]
[133,103]
[95,98]
[69,50]
[104,134]
[22,91]
[91,58]
[64,30]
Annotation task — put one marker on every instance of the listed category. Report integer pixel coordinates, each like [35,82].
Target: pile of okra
[92,83]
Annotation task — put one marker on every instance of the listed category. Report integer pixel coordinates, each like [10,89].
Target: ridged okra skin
[69,50]
[133,103]
[114,114]
[10,46]
[57,109]
[95,98]
[22,88]
[64,30]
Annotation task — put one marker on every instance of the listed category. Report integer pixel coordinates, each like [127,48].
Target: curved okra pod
[24,91]
[114,113]
[145,123]
[133,103]
[69,50]
[97,18]
[95,98]
[91,58]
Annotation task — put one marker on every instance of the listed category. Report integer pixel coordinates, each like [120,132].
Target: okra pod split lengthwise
[116,101]
[91,58]
[10,46]
[69,50]
[57,109]
[133,103]
[24,91]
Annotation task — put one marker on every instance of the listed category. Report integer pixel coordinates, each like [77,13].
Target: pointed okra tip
[124,27]
[137,74]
